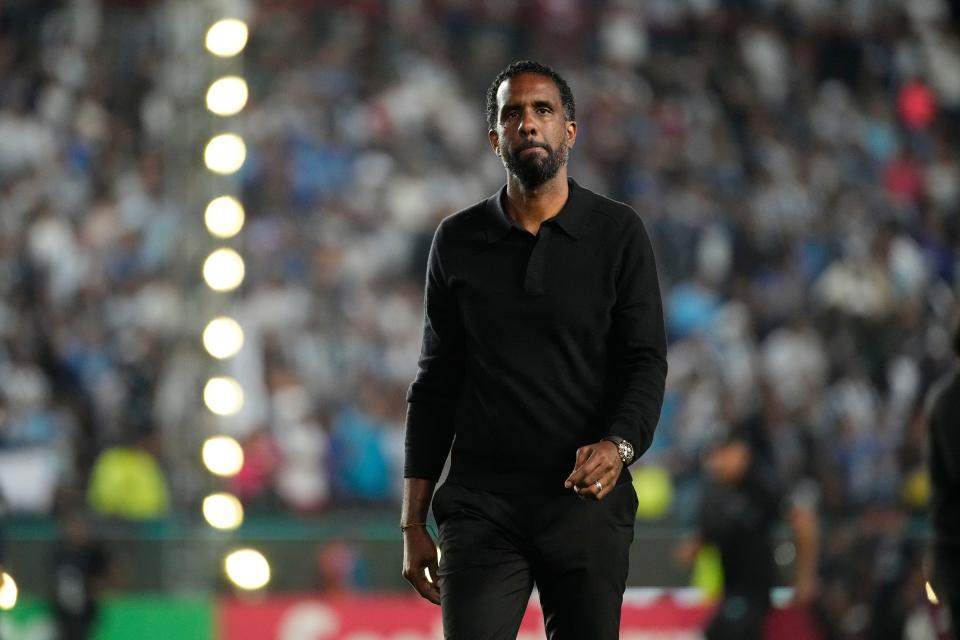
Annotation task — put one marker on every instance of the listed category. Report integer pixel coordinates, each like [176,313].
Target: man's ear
[571,133]
[494,138]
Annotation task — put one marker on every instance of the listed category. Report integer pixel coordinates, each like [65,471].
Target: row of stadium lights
[223,271]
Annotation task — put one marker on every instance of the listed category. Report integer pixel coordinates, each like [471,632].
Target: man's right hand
[419,558]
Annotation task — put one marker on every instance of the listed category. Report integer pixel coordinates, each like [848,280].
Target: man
[944,436]
[543,363]
[81,568]
[743,500]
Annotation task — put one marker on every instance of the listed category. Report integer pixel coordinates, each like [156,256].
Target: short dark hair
[529,66]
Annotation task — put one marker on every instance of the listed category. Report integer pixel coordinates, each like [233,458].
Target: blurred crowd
[794,160]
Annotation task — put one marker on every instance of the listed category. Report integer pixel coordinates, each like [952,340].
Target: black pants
[946,582]
[74,627]
[495,547]
[738,617]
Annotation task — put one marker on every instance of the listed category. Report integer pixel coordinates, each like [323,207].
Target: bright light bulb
[223,456]
[247,569]
[226,38]
[224,217]
[8,592]
[225,153]
[227,96]
[223,396]
[223,270]
[223,511]
[223,337]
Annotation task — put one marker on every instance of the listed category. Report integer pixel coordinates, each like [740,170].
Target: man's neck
[530,207]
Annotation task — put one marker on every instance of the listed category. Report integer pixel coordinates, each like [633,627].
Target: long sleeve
[432,397]
[945,436]
[637,344]
[534,345]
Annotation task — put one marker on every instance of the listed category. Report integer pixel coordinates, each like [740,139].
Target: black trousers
[946,581]
[495,547]
[738,617]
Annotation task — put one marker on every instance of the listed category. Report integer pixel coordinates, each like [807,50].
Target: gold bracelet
[404,527]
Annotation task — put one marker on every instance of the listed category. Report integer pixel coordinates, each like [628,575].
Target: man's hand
[805,589]
[419,557]
[595,462]
[419,549]
[806,528]
[685,553]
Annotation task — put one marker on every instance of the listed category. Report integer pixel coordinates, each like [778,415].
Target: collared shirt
[535,345]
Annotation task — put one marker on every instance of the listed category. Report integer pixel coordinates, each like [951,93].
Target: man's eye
[543,110]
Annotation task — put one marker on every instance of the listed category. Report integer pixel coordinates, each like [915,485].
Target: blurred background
[214,223]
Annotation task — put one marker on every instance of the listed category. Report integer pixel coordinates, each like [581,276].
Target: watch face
[626,451]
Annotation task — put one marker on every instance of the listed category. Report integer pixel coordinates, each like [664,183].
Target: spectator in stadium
[127,482]
[944,433]
[544,344]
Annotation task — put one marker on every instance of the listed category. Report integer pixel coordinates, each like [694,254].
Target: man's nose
[528,125]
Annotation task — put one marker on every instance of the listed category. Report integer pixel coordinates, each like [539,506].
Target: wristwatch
[623,447]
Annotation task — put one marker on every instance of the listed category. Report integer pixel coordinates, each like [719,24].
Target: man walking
[543,365]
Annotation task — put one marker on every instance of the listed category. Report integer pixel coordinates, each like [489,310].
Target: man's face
[533,136]
[728,463]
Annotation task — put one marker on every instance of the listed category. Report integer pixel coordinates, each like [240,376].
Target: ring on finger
[598,485]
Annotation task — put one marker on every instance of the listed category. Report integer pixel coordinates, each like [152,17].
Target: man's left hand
[595,462]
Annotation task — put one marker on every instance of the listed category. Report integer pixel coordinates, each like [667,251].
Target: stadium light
[223,270]
[225,153]
[223,511]
[932,595]
[223,456]
[8,592]
[226,38]
[223,337]
[247,569]
[227,96]
[223,396]
[224,217]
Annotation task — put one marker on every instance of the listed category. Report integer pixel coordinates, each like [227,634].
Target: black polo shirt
[534,346]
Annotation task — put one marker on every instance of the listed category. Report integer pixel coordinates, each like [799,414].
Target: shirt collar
[573,218]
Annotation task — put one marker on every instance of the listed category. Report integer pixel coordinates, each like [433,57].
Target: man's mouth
[531,148]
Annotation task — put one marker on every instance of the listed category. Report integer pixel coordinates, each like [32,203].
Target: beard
[535,169]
